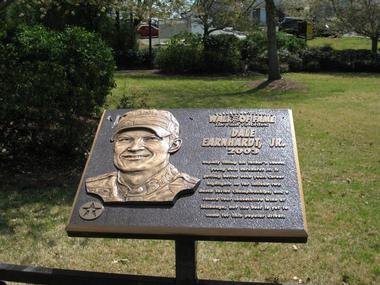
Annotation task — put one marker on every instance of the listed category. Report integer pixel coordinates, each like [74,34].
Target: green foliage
[254,51]
[115,29]
[58,14]
[221,54]
[183,54]
[52,84]
[290,42]
[140,58]
[328,59]
[187,53]
[295,56]
[122,39]
[211,15]
[253,45]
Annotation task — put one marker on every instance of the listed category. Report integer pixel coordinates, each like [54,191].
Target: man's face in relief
[141,149]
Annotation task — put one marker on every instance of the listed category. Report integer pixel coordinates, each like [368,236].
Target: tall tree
[57,14]
[145,9]
[215,15]
[311,10]
[317,12]
[273,62]
[360,16]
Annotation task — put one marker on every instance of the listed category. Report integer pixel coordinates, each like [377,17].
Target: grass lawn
[337,121]
[341,43]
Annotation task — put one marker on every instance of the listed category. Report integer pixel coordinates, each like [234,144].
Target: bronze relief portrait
[143,141]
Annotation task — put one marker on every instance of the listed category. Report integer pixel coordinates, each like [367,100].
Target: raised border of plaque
[234,176]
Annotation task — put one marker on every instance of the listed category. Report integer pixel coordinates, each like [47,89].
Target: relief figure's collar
[157,181]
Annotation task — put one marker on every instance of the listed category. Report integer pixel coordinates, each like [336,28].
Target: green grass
[341,43]
[337,122]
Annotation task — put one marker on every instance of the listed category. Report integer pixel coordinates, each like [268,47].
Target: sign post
[186,261]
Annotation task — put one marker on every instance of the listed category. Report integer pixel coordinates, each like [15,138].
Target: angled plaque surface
[211,174]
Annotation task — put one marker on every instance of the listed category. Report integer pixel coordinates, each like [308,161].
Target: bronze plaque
[211,174]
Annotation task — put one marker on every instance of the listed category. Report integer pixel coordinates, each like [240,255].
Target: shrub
[253,50]
[289,61]
[121,37]
[291,43]
[187,53]
[221,54]
[253,45]
[115,29]
[142,58]
[183,54]
[52,85]
[328,59]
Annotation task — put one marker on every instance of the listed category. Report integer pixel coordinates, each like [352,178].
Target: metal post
[186,258]
[150,41]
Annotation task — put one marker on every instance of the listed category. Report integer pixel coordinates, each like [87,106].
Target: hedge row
[186,53]
[328,59]
[51,86]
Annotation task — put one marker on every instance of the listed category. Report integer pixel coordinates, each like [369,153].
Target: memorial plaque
[210,174]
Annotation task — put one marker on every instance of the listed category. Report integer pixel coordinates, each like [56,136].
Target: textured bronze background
[250,186]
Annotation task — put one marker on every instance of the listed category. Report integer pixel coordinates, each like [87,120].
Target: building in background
[258,13]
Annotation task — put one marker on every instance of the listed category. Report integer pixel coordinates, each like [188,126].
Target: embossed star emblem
[91,210]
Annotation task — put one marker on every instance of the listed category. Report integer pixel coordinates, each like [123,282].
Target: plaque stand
[186,259]
[185,252]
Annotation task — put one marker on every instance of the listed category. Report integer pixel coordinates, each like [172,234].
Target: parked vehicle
[230,31]
[296,26]
[143,31]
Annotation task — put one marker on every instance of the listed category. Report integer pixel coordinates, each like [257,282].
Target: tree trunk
[206,29]
[273,64]
[117,22]
[205,35]
[375,41]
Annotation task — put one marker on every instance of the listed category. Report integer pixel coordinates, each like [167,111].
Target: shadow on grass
[277,90]
[33,207]
[35,196]
[258,88]
[169,76]
[239,76]
[253,89]
[156,75]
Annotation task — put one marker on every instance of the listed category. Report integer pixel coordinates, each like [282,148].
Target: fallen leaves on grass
[122,261]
